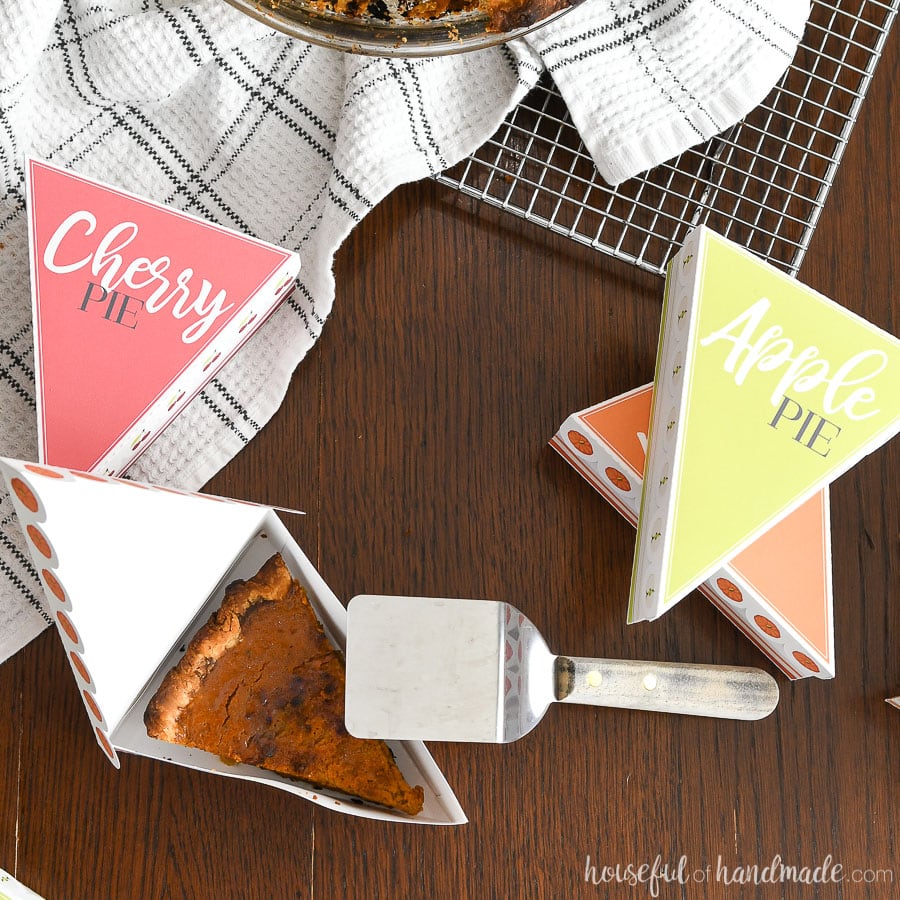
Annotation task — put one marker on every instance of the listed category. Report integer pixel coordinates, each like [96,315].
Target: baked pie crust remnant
[501,15]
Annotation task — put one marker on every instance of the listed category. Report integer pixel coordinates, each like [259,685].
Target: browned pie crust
[501,15]
[260,683]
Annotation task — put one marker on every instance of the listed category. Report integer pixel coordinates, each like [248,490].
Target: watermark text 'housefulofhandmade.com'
[657,872]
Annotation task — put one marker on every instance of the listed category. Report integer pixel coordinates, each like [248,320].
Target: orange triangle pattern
[782,605]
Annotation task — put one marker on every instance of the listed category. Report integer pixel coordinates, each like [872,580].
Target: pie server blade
[478,670]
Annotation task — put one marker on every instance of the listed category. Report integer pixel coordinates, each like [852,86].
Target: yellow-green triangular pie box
[765,392]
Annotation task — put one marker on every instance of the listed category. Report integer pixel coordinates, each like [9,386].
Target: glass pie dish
[405,28]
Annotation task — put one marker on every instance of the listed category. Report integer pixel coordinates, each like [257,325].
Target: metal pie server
[479,670]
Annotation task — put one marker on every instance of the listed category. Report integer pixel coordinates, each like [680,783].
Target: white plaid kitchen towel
[195,105]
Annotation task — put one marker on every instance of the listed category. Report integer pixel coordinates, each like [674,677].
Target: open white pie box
[132,570]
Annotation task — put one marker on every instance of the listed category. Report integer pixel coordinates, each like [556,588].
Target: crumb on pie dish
[404,27]
[500,15]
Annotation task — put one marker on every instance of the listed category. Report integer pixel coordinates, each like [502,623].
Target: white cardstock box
[108,552]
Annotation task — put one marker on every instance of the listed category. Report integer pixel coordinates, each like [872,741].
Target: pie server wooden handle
[729,692]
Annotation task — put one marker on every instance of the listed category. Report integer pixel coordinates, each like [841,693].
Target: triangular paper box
[778,592]
[765,392]
[131,571]
[135,306]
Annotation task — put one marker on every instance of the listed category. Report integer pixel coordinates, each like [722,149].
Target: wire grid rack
[763,183]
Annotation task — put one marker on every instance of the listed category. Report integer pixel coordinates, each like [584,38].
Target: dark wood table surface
[415,435]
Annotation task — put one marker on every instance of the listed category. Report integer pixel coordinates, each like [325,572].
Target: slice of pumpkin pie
[260,683]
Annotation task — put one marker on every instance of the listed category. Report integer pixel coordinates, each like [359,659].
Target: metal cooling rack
[762,183]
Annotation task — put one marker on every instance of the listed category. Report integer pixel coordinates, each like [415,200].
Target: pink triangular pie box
[136,306]
[132,570]
[778,591]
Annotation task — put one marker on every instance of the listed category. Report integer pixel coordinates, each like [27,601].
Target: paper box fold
[132,570]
